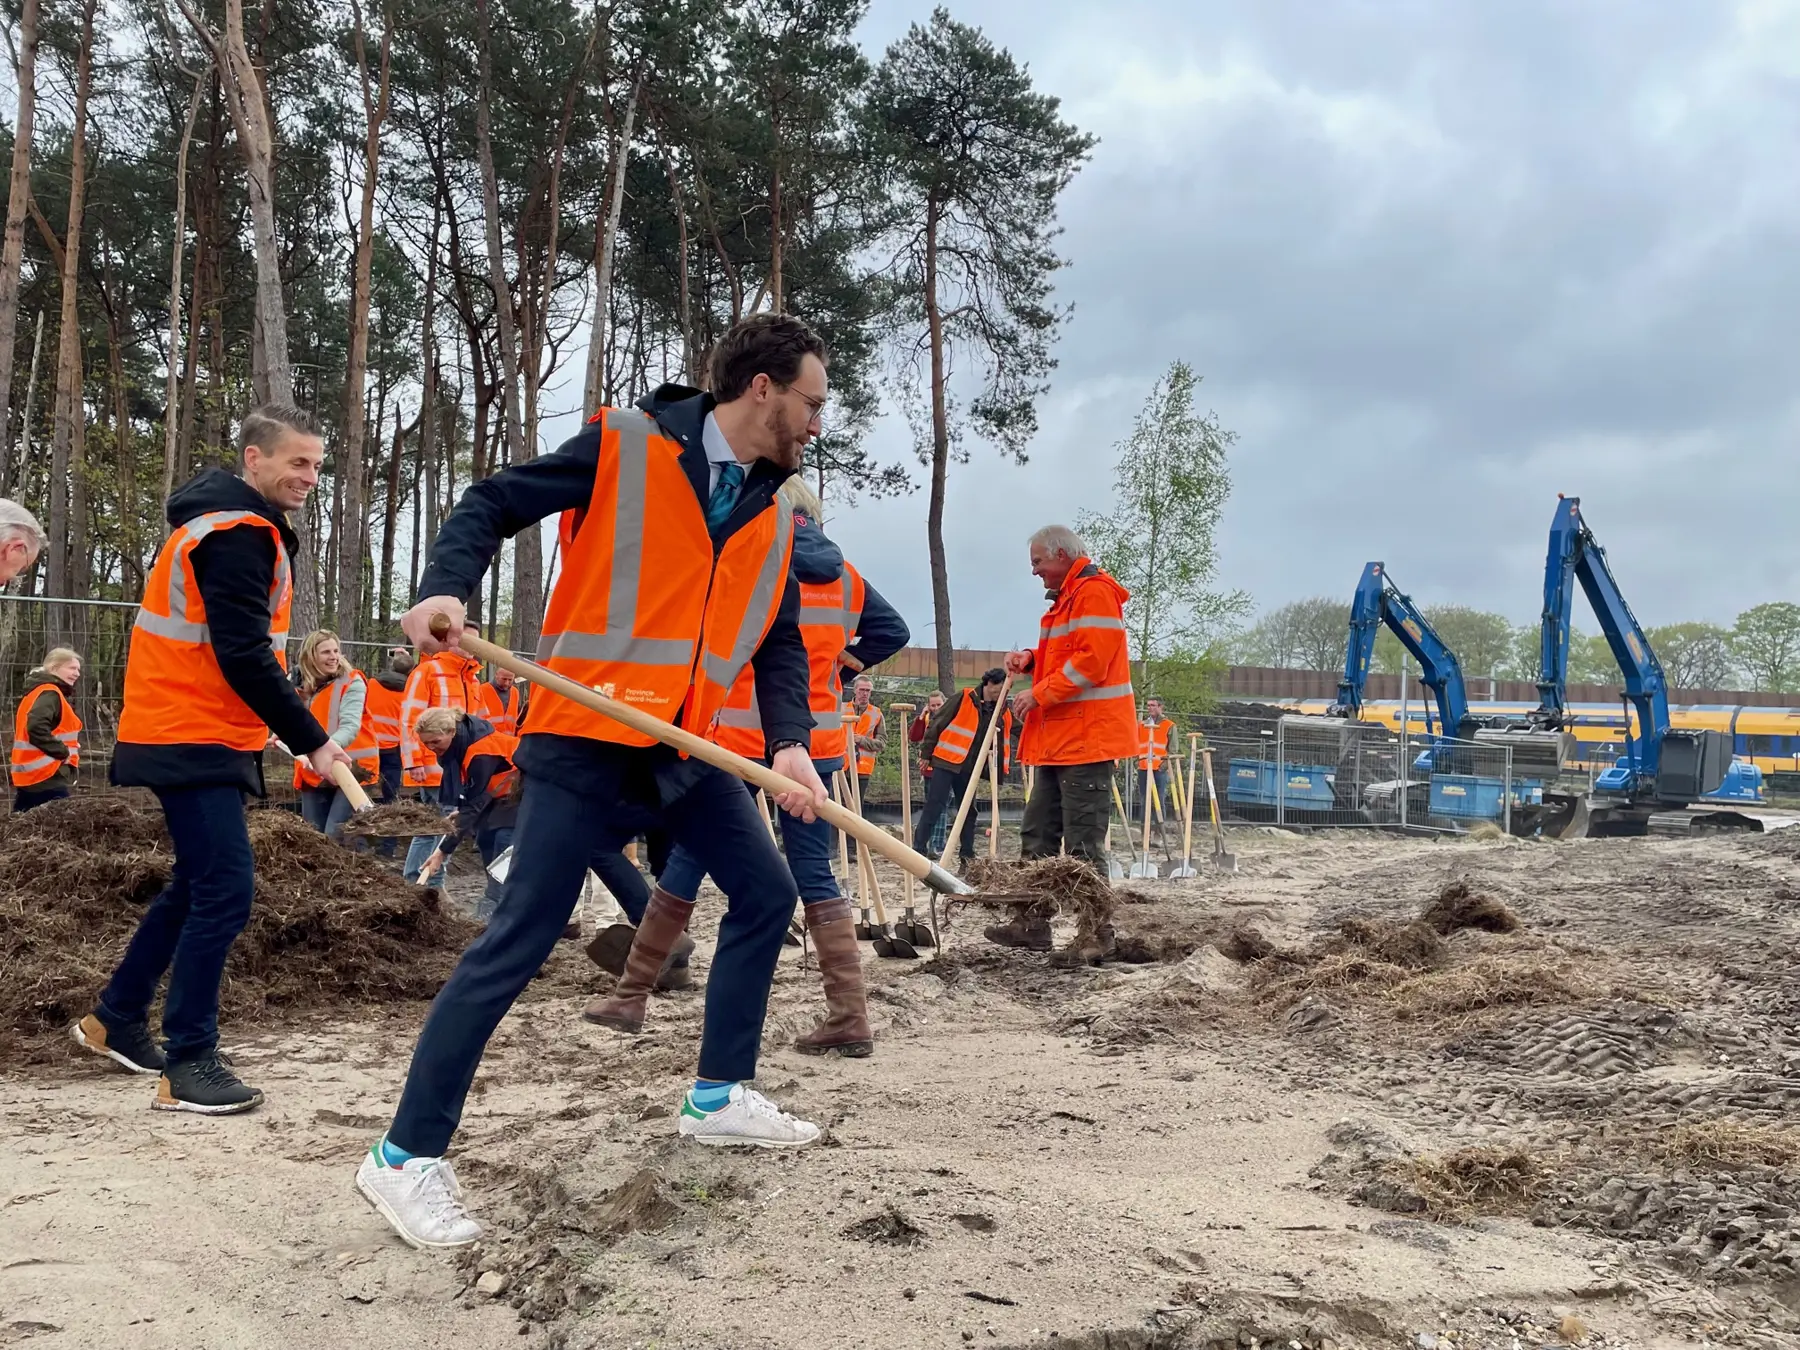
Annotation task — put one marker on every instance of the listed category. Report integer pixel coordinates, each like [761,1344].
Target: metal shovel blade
[863,931]
[909,929]
[1115,870]
[893,948]
[1182,871]
[1225,862]
[1144,871]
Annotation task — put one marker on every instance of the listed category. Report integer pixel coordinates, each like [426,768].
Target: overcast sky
[1438,260]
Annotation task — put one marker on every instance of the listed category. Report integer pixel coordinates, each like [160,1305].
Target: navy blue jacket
[498,507]
[477,808]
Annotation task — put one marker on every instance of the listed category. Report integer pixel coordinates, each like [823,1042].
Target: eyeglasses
[815,406]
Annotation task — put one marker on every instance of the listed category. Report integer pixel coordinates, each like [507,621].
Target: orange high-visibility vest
[365,755]
[383,705]
[498,743]
[1086,712]
[30,765]
[500,710]
[867,723]
[1153,743]
[644,610]
[175,693]
[957,740]
[829,614]
[444,679]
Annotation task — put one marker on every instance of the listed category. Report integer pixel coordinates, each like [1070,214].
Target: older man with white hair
[1079,712]
[21,539]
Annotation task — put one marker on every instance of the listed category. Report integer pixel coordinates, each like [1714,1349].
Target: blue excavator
[1460,784]
[1664,770]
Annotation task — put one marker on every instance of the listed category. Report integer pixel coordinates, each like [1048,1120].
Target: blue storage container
[1259,782]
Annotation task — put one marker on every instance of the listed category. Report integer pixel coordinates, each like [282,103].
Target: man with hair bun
[1079,713]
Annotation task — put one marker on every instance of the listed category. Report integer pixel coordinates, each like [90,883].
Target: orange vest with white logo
[829,614]
[175,693]
[30,765]
[365,755]
[644,609]
[383,707]
[1153,743]
[867,723]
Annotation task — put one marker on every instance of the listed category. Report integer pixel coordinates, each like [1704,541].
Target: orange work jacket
[365,755]
[175,693]
[383,706]
[644,609]
[1086,712]
[1153,744]
[30,765]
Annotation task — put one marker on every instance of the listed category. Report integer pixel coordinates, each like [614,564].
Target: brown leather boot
[1032,935]
[665,919]
[611,947]
[845,1027]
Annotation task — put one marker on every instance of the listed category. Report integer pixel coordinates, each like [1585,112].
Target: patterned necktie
[724,495]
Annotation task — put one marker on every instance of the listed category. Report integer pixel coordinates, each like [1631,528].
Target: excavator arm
[1379,602]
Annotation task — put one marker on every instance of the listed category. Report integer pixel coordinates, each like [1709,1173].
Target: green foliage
[1766,642]
[1695,655]
[1171,481]
[1306,634]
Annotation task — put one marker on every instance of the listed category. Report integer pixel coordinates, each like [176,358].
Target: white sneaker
[748,1120]
[422,1200]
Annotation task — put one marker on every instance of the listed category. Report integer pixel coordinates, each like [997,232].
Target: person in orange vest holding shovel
[448,678]
[1156,735]
[950,744]
[205,684]
[870,726]
[675,577]
[46,748]
[1079,713]
[479,778]
[338,696]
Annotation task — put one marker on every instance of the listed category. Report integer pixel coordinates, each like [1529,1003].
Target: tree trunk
[940,463]
[528,555]
[682,267]
[605,249]
[31,380]
[131,562]
[18,193]
[67,502]
[172,388]
[390,518]
[354,522]
[272,373]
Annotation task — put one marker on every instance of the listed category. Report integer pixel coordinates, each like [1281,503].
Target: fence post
[1280,773]
[1405,770]
[1506,790]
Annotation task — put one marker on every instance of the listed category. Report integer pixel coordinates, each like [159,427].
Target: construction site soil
[1366,1091]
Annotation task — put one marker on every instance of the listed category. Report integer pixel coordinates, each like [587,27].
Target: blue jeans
[390,792]
[188,929]
[421,848]
[325,809]
[492,843]
[558,832]
[808,846]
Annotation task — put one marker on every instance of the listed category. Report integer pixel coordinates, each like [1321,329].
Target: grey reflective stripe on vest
[841,615]
[765,598]
[68,737]
[619,643]
[1104,692]
[38,760]
[1092,621]
[1075,677]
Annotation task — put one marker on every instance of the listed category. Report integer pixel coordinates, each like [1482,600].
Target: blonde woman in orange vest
[46,732]
[442,679]
[674,578]
[338,696]
[205,684]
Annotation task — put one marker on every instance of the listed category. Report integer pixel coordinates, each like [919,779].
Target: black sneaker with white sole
[205,1086]
[132,1046]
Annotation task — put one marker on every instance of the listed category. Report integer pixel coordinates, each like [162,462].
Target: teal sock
[709,1095]
[393,1157]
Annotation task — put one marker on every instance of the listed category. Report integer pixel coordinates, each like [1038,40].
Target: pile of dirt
[329,927]
[1459,906]
[1410,946]
[1065,885]
[396,820]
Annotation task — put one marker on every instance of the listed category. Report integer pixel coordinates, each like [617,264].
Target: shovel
[1225,862]
[909,929]
[864,931]
[1115,869]
[878,840]
[886,943]
[1186,867]
[1144,868]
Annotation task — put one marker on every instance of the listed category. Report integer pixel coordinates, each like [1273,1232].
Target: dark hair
[764,344]
[266,424]
[994,676]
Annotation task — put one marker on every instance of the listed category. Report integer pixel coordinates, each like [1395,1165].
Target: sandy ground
[1182,1154]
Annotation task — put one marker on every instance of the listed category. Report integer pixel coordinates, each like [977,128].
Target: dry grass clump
[1474,1181]
[1493,982]
[1459,906]
[1730,1145]
[1065,885]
